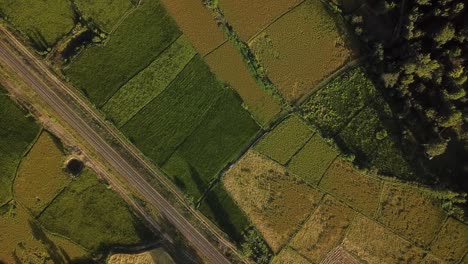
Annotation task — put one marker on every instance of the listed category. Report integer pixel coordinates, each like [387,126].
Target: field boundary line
[285,12]
[436,233]
[216,48]
[297,252]
[381,197]
[303,145]
[327,169]
[144,106]
[130,11]
[140,71]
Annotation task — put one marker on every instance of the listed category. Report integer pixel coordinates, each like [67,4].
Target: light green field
[105,13]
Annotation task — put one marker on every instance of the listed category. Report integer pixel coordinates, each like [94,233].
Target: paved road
[40,81]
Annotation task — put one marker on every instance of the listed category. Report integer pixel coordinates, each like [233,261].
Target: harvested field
[452,241]
[311,162]
[220,208]
[229,66]
[105,13]
[289,256]
[197,23]
[323,231]
[17,132]
[99,71]
[431,259]
[155,256]
[274,201]
[357,190]
[372,243]
[93,216]
[150,82]
[308,29]
[169,119]
[410,213]
[339,256]
[41,175]
[285,139]
[224,132]
[333,106]
[42,22]
[250,17]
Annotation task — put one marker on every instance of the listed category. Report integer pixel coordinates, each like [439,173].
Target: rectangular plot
[359,191]
[285,139]
[227,63]
[372,243]
[289,256]
[452,241]
[101,70]
[274,201]
[324,229]
[165,122]
[311,162]
[334,105]
[411,213]
[309,29]
[223,133]
[149,83]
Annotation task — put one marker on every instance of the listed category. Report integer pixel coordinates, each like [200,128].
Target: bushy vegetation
[160,127]
[149,83]
[42,22]
[93,216]
[255,248]
[101,70]
[105,13]
[361,192]
[41,175]
[311,162]
[333,106]
[285,139]
[17,132]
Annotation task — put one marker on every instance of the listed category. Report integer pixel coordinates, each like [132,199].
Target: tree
[445,34]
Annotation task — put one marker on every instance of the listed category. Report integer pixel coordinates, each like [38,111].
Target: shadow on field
[57,254]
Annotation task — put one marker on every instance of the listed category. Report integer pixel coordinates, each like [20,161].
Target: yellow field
[41,176]
[323,230]
[227,64]
[155,256]
[359,191]
[452,241]
[374,244]
[275,202]
[410,213]
[308,30]
[289,256]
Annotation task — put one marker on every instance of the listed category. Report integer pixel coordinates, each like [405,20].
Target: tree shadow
[57,254]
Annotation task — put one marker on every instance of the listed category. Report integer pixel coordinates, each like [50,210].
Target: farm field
[17,132]
[43,23]
[41,173]
[411,213]
[250,17]
[333,106]
[227,64]
[285,139]
[105,13]
[197,23]
[359,191]
[275,202]
[155,256]
[91,200]
[223,133]
[311,162]
[150,82]
[323,230]
[289,256]
[452,241]
[374,244]
[307,29]
[99,71]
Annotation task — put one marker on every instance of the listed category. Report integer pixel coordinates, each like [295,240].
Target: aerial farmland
[233,131]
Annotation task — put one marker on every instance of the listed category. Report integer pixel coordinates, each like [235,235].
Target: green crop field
[285,139]
[101,70]
[334,105]
[42,22]
[105,13]
[311,162]
[225,130]
[170,118]
[219,207]
[150,82]
[93,216]
[17,132]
